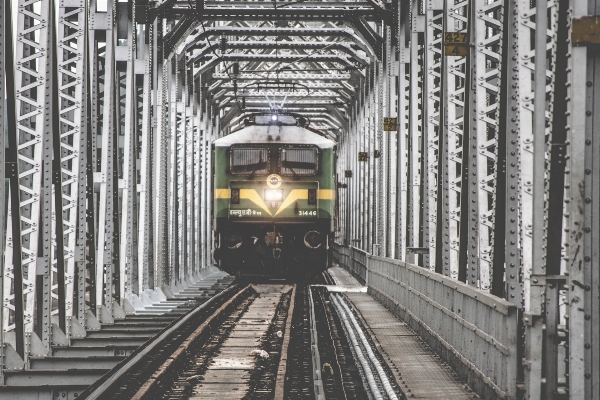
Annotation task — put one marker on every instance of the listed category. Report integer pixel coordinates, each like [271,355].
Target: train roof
[284,134]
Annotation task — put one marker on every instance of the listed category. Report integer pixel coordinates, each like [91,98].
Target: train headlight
[312,239]
[273,195]
[274,117]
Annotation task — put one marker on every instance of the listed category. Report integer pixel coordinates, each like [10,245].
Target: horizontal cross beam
[285,76]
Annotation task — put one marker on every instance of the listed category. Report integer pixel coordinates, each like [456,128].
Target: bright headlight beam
[273,195]
[273,117]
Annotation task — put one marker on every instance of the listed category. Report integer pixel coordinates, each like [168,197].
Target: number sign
[390,124]
[456,44]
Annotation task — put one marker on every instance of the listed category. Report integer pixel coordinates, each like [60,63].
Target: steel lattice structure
[490,178]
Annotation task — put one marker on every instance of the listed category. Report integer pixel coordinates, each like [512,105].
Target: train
[274,197]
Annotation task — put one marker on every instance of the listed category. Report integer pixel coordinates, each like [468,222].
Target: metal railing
[473,331]
[353,260]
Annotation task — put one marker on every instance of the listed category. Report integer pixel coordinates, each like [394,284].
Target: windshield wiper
[255,167]
[285,164]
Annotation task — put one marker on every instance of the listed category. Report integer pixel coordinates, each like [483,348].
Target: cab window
[299,161]
[249,161]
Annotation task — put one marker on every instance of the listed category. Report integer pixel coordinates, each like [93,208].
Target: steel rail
[282,368]
[138,355]
[328,316]
[382,374]
[358,351]
[354,329]
[314,347]
[150,383]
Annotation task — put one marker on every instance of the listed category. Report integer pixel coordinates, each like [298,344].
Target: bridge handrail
[472,330]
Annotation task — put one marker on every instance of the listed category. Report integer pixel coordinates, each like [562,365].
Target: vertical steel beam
[483,144]
[582,199]
[431,119]
[371,194]
[105,178]
[30,143]
[539,105]
[416,129]
[403,129]
[127,116]
[209,132]
[512,251]
[71,142]
[392,101]
[578,124]
[198,161]
[160,162]
[451,153]
[49,278]
[145,257]
[3,186]
[12,321]
[204,167]
[172,167]
[95,56]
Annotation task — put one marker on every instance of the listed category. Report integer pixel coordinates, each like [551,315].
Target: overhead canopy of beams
[322,50]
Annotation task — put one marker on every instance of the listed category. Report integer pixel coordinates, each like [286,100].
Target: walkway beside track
[417,369]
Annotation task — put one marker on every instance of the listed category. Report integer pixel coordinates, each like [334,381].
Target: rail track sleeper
[143,391]
[282,368]
[103,385]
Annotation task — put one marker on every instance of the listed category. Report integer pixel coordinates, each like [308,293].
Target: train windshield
[249,161]
[299,161]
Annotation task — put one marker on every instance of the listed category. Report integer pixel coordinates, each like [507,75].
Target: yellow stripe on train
[326,194]
[222,193]
[322,194]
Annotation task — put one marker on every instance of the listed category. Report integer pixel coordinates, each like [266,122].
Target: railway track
[259,341]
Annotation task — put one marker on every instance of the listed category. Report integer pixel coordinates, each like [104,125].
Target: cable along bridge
[467,179]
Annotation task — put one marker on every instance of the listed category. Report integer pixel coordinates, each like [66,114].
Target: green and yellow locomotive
[274,197]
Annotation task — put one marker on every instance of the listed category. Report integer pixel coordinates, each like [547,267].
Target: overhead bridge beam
[318,86]
[246,11]
[289,59]
[283,45]
[303,103]
[173,37]
[284,76]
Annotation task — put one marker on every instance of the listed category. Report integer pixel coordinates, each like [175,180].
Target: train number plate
[308,213]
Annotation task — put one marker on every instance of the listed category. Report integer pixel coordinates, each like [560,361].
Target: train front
[274,191]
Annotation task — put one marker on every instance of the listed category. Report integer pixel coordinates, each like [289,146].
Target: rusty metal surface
[417,369]
[586,30]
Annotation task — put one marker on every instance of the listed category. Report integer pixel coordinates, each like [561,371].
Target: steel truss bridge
[485,186]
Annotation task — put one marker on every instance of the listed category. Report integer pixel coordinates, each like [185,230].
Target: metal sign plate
[390,124]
